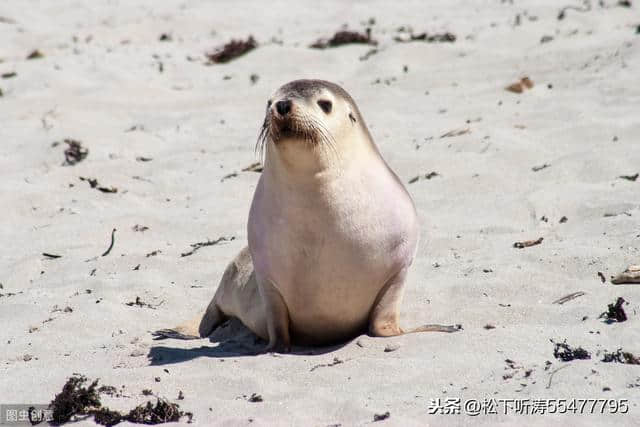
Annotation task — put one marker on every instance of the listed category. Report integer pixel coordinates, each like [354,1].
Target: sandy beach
[166,148]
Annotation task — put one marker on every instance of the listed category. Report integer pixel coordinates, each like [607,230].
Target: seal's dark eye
[325,105]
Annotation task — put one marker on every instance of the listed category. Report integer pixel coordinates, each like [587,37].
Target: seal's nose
[283,107]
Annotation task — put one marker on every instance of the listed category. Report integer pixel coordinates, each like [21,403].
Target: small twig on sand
[568,298]
[199,245]
[335,362]
[528,243]
[586,8]
[425,176]
[253,167]
[455,132]
[113,240]
[138,302]
[553,373]
[52,256]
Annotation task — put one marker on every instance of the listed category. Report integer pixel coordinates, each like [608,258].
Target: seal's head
[312,116]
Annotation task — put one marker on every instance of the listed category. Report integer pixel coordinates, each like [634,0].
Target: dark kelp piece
[231,50]
[566,353]
[345,37]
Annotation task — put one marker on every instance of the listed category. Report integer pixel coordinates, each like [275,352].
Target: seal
[332,231]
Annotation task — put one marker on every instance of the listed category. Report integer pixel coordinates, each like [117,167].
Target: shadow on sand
[233,339]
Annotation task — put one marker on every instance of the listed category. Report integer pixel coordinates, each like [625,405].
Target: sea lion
[332,231]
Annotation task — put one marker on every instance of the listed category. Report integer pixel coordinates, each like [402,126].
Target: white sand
[198,127]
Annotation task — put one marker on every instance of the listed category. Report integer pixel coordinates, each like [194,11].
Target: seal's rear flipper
[211,319]
[162,334]
[435,328]
[185,331]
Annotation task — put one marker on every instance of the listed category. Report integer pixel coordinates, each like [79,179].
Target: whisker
[311,130]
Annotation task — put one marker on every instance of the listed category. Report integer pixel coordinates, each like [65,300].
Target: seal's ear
[352,117]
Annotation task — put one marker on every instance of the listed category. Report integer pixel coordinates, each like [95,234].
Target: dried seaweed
[424,37]
[199,245]
[75,399]
[426,176]
[231,50]
[36,54]
[566,353]
[528,243]
[74,153]
[620,357]
[343,37]
[615,312]
[631,178]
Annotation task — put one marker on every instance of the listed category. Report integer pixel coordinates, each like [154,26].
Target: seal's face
[312,114]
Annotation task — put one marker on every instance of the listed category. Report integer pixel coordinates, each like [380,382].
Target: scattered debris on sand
[163,412]
[200,245]
[426,176]
[539,168]
[455,132]
[569,297]
[391,348]
[585,8]
[566,353]
[345,37]
[93,182]
[75,399]
[139,303]
[74,153]
[520,86]
[78,400]
[254,398]
[51,256]
[36,54]
[229,175]
[113,241]
[231,50]
[631,178]
[425,37]
[630,275]
[620,357]
[253,167]
[528,243]
[369,54]
[381,417]
[140,228]
[335,362]
[615,312]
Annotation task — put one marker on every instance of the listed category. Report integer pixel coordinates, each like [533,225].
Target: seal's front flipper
[277,318]
[384,316]
[185,331]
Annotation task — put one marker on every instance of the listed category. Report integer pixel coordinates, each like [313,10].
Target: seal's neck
[297,161]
